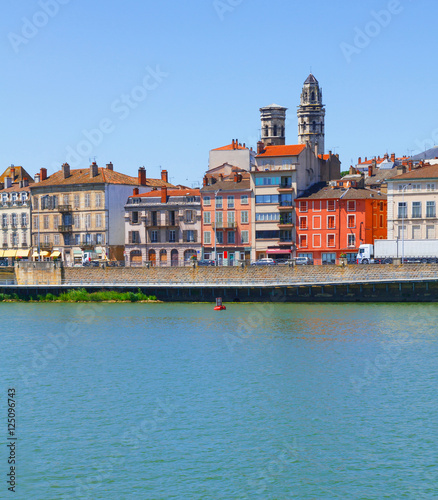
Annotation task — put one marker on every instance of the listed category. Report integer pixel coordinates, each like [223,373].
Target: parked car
[303,261]
[283,262]
[206,262]
[267,261]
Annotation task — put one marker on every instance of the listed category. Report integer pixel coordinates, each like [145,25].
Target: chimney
[370,171]
[66,170]
[236,177]
[110,166]
[164,176]
[260,147]
[337,155]
[135,191]
[221,177]
[401,169]
[164,195]
[8,182]
[366,159]
[351,170]
[37,178]
[410,165]
[374,166]
[232,144]
[93,169]
[244,145]
[205,181]
[386,156]
[13,173]
[359,160]
[393,157]
[43,174]
[142,176]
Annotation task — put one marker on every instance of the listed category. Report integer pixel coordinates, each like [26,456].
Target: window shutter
[185,236]
[195,236]
[130,236]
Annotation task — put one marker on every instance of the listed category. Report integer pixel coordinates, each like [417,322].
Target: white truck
[385,251]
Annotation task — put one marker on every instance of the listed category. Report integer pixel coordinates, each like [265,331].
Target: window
[317,205]
[56,239]
[190,236]
[303,240]
[134,218]
[382,222]
[218,201]
[46,239]
[24,219]
[402,209]
[416,209]
[77,239]
[87,200]
[267,235]
[286,200]
[272,216]
[267,181]
[207,238]
[5,220]
[55,222]
[351,240]
[331,222]
[99,238]
[267,198]
[244,236]
[244,217]
[430,232]
[207,200]
[24,238]
[244,199]
[98,200]
[219,237]
[134,237]
[430,186]
[230,219]
[36,222]
[77,221]
[35,202]
[207,217]
[416,187]
[331,205]
[14,198]
[154,236]
[46,222]
[232,237]
[76,201]
[99,219]
[303,223]
[87,221]
[328,258]
[402,231]
[351,206]
[416,232]
[230,201]
[382,206]
[219,219]
[172,235]
[317,222]
[351,221]
[303,206]
[330,240]
[66,199]
[317,240]
[430,209]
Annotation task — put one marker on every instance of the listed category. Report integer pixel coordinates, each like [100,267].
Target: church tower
[273,119]
[311,113]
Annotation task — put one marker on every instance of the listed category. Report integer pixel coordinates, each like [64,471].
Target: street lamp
[215,226]
[403,221]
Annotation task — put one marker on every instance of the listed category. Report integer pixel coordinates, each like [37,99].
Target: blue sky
[161,83]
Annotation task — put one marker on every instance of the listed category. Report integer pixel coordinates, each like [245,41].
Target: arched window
[266,131]
[275,130]
[313,95]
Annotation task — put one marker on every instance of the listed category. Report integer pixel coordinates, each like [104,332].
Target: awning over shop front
[1,253]
[10,253]
[22,253]
[55,254]
[42,254]
[278,250]
[77,252]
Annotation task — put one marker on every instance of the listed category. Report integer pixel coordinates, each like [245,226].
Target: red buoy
[219,306]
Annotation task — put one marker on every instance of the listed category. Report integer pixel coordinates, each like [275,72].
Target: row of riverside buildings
[279,201]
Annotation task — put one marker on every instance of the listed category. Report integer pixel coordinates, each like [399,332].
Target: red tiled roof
[19,175]
[104,176]
[329,193]
[15,188]
[156,193]
[426,172]
[291,150]
[230,147]
[324,157]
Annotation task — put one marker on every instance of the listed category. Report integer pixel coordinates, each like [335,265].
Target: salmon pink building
[333,221]
[226,217]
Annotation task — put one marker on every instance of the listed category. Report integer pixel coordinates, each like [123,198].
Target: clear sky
[161,83]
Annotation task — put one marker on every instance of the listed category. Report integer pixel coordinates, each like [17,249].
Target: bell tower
[273,120]
[311,112]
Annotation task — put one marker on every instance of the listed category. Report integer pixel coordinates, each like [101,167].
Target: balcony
[224,225]
[87,246]
[65,228]
[64,208]
[285,188]
[285,223]
[46,246]
[285,205]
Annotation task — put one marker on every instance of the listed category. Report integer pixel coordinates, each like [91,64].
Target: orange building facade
[335,221]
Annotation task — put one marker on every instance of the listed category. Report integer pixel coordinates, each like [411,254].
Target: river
[177,401]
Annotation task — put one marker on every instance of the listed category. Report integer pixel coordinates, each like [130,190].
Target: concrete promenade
[411,282]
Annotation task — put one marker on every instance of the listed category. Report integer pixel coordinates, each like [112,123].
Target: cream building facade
[412,205]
